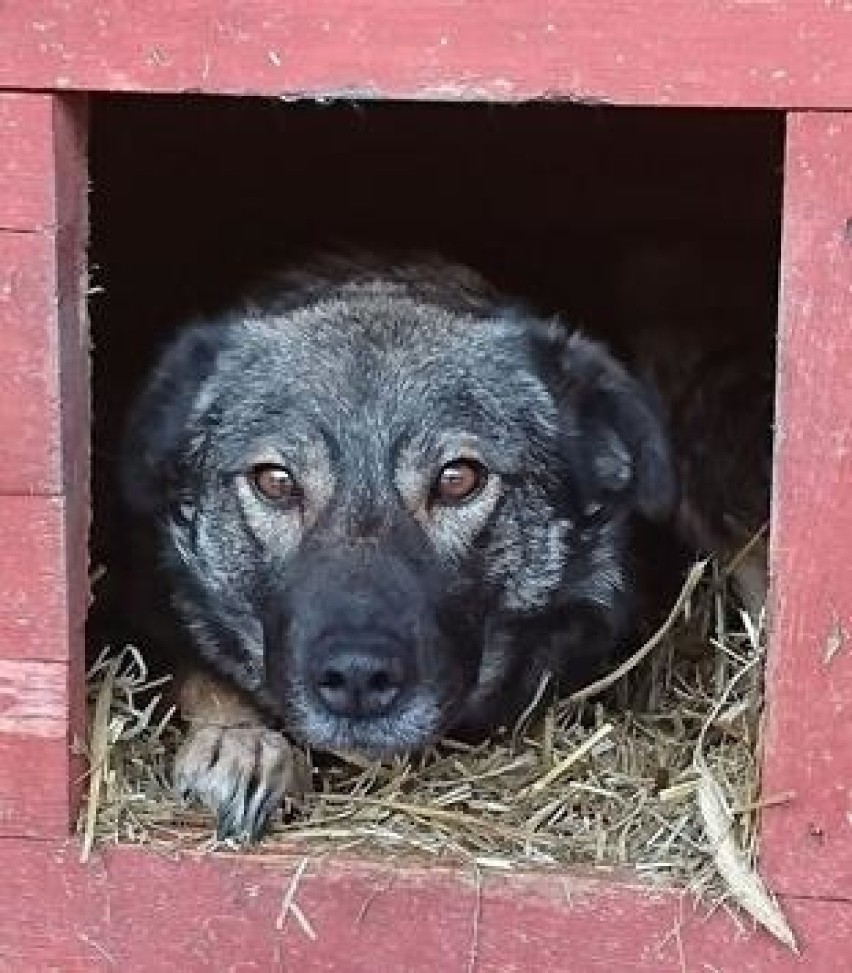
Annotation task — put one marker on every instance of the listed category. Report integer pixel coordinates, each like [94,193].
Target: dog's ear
[614,430]
[163,447]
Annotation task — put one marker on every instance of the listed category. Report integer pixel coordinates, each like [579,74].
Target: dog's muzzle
[356,650]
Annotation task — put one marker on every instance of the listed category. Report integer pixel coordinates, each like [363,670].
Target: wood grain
[43,582]
[42,611]
[71,180]
[776,53]
[30,422]
[39,786]
[36,764]
[807,844]
[34,698]
[135,910]
[36,619]
[43,326]
[27,199]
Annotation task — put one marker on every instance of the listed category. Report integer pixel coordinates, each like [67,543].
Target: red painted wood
[30,425]
[36,615]
[785,53]
[38,779]
[35,762]
[807,844]
[33,698]
[43,335]
[26,159]
[42,165]
[42,612]
[68,165]
[132,910]
[70,178]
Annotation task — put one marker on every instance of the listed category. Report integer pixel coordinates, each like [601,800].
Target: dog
[376,504]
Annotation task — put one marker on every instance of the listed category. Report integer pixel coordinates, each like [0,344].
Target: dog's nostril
[332,680]
[379,682]
[360,683]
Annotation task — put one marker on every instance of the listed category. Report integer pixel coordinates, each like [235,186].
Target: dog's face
[387,512]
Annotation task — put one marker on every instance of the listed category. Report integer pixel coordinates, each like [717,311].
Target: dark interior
[618,219]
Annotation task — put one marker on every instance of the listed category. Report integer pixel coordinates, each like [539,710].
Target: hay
[661,774]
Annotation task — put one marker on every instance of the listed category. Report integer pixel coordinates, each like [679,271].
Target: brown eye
[274,484]
[459,480]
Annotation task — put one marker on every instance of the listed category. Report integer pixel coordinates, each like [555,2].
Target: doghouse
[135,77]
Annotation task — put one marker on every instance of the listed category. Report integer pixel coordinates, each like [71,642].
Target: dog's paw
[242,774]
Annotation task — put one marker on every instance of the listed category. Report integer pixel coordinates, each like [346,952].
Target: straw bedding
[658,771]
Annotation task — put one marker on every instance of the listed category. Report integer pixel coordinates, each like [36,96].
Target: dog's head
[387,510]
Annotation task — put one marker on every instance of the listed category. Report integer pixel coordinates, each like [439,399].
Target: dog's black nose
[360,681]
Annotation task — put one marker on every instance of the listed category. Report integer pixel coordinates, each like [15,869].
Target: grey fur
[363,381]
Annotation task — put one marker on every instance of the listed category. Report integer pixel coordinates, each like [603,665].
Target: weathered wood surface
[44,435]
[782,53]
[27,197]
[807,844]
[37,782]
[35,614]
[136,910]
[42,607]
[30,407]
[32,698]
[43,394]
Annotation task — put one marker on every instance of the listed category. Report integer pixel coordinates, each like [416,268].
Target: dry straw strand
[613,779]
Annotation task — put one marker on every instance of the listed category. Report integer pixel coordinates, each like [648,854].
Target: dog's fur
[364,382]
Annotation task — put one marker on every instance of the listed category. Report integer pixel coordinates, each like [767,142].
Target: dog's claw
[242,774]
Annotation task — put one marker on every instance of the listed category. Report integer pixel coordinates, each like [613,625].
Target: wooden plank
[69,164]
[38,613]
[30,423]
[43,325]
[44,439]
[43,595]
[33,698]
[807,844]
[133,910]
[776,53]
[42,162]
[37,777]
[70,176]
[26,162]
[35,760]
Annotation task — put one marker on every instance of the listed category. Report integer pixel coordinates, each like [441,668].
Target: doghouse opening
[624,222]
